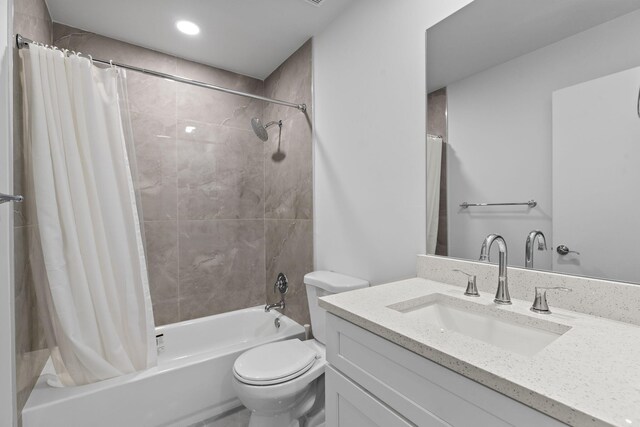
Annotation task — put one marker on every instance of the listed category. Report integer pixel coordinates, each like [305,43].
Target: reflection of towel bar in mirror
[530,203]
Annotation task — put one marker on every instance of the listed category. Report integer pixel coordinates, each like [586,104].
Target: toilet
[282,383]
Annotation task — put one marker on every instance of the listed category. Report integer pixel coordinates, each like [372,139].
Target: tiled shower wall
[223,211]
[31,19]
[289,182]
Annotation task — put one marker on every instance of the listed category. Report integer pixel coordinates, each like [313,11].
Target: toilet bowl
[284,389]
[282,383]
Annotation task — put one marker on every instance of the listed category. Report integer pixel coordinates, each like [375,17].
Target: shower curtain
[93,294]
[434,164]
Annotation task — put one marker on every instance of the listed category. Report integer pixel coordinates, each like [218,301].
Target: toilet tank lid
[334,282]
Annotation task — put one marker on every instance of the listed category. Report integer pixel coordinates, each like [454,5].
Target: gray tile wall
[223,211]
[289,182]
[31,19]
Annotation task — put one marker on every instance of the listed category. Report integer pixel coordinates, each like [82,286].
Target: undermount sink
[505,329]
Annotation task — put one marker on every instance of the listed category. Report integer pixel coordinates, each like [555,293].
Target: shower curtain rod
[23,43]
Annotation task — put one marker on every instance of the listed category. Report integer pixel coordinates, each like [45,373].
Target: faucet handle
[564,250]
[472,289]
[540,301]
[282,284]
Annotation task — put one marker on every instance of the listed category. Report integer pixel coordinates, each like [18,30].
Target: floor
[234,418]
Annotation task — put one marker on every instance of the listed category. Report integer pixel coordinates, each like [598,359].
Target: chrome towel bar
[530,203]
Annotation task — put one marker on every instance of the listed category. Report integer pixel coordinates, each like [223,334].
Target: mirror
[534,106]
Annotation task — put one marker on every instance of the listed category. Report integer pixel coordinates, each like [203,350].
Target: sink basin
[505,329]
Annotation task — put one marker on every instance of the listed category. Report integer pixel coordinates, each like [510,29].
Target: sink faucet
[282,285]
[540,304]
[528,247]
[502,294]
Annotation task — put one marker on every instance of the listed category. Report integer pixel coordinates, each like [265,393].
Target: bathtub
[191,383]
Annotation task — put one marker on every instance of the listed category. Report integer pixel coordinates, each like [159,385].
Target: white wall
[599,120]
[370,121]
[500,134]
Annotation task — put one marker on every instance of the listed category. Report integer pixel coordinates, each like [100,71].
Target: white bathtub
[192,381]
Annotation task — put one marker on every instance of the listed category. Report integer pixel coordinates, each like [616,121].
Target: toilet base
[279,420]
[293,417]
[315,416]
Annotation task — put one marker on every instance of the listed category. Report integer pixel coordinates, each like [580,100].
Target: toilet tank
[322,283]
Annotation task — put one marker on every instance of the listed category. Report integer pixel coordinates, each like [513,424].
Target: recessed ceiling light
[188,27]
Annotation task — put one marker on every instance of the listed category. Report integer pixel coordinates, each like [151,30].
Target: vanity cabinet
[351,405]
[371,381]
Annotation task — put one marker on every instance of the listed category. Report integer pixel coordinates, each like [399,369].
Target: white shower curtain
[434,165]
[94,294]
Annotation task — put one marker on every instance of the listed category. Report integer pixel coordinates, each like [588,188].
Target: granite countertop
[588,376]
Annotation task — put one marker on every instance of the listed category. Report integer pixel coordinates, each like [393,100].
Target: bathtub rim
[42,387]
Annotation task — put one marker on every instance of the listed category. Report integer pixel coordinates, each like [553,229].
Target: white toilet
[282,383]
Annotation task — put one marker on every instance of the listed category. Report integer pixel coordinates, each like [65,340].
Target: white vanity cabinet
[371,381]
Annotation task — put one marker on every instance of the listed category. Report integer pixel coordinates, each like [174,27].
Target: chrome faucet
[472,289]
[502,294]
[528,247]
[281,285]
[540,304]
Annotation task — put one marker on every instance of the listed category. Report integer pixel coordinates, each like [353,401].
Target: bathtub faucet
[281,285]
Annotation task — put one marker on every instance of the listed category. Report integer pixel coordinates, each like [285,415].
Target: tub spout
[282,286]
[279,305]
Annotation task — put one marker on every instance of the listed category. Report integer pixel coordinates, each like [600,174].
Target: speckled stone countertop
[589,376]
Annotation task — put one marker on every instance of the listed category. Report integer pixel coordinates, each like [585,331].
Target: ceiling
[490,32]
[251,37]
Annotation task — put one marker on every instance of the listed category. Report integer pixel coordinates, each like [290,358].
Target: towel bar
[530,203]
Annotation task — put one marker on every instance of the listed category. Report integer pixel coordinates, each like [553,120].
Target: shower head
[261,130]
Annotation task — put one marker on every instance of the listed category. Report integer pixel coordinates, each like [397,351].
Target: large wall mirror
[534,106]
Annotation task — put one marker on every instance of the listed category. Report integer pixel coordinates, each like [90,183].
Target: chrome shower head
[261,130]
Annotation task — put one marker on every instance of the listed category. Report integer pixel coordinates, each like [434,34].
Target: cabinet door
[423,392]
[348,405]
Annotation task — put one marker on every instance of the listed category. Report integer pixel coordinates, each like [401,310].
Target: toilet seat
[274,363]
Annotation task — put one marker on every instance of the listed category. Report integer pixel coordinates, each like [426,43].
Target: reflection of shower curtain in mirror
[93,293]
[434,160]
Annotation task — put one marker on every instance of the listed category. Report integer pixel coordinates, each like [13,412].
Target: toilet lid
[274,363]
